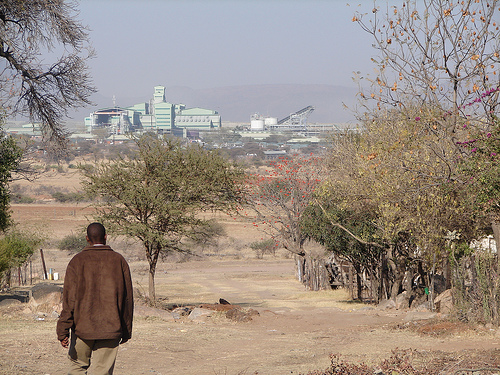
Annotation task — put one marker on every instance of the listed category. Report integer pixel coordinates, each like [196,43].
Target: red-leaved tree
[280,197]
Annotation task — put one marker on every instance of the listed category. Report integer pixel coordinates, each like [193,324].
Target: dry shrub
[476,292]
[434,327]
[414,362]
[440,328]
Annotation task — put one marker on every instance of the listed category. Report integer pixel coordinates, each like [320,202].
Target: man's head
[96,234]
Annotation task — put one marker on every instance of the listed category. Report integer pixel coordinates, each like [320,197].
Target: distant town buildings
[29,130]
[157,115]
[115,124]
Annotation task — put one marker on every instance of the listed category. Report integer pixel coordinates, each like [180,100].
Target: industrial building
[157,115]
[295,122]
[261,127]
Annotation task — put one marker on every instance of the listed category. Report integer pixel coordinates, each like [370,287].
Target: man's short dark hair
[96,233]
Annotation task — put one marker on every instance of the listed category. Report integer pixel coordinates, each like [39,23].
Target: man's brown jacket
[97,296]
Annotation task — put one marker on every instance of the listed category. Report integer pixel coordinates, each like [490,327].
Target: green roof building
[157,115]
[197,119]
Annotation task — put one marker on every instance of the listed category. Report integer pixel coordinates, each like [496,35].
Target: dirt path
[295,332]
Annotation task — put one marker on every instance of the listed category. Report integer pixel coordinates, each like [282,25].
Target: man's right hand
[65,342]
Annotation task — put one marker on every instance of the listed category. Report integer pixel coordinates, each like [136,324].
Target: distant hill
[238,103]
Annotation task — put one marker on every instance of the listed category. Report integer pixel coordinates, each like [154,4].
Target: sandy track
[295,331]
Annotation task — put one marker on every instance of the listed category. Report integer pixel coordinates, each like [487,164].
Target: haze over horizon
[202,47]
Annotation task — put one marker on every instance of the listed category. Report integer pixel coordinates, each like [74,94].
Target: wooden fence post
[351,281]
[43,264]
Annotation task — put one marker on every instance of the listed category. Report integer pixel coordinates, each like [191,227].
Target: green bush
[73,242]
[207,236]
[16,247]
[264,247]
[21,198]
[68,197]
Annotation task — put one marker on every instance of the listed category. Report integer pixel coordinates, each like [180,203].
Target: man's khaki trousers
[102,352]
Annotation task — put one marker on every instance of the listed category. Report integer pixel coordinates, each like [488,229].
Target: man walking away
[98,305]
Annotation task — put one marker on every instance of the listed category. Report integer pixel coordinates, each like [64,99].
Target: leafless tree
[438,54]
[43,70]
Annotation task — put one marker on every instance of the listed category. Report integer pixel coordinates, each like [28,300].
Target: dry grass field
[295,332]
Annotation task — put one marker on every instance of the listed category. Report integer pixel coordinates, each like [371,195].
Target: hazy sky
[214,43]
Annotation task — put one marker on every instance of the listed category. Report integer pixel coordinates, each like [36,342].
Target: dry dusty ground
[295,332]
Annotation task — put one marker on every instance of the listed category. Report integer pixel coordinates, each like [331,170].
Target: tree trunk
[384,278]
[152,253]
[447,272]
[396,285]
[152,293]
[374,285]
[359,282]
[351,281]
[397,273]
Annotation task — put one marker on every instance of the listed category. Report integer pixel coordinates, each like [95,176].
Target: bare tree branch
[30,33]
